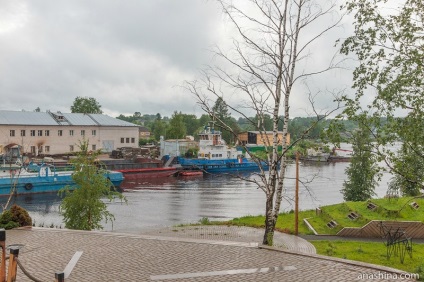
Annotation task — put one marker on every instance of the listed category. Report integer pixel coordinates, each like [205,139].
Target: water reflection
[168,201]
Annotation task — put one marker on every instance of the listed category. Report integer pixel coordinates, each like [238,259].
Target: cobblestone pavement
[235,233]
[112,256]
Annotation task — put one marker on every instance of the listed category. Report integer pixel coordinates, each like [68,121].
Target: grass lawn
[373,252]
[285,222]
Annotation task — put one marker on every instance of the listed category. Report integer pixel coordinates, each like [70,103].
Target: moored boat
[340,155]
[134,173]
[42,179]
[139,168]
[215,156]
[190,173]
[316,155]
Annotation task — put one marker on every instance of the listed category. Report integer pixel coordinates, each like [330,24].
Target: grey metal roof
[110,121]
[26,118]
[42,118]
[79,119]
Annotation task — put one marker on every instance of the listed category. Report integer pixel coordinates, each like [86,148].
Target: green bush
[15,217]
[20,215]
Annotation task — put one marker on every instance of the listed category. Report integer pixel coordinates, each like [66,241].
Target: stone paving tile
[235,233]
[117,257]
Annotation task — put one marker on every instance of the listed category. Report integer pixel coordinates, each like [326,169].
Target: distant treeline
[192,125]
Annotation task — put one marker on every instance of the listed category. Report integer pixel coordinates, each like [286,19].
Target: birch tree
[261,70]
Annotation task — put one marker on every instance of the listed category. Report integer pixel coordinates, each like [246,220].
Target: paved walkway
[237,234]
[106,256]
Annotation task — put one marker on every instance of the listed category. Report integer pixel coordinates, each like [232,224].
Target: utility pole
[296,209]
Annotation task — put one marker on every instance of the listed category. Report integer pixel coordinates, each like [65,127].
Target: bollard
[13,265]
[59,276]
[3,255]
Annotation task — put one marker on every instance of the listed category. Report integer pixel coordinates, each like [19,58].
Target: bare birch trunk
[263,70]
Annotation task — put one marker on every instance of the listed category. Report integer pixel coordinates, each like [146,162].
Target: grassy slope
[370,252]
[395,209]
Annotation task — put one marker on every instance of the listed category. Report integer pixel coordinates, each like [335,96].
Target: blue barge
[41,179]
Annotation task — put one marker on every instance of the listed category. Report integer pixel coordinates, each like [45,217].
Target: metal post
[3,255]
[296,214]
[13,265]
[59,276]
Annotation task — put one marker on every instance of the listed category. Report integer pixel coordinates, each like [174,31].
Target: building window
[47,133]
[82,132]
[93,147]
[128,140]
[40,149]
[122,140]
[32,132]
[71,148]
[59,133]
[22,132]
[12,133]
[40,133]
[71,132]
[93,132]
[47,149]
[33,150]
[132,140]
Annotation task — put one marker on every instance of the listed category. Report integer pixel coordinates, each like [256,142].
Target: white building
[48,133]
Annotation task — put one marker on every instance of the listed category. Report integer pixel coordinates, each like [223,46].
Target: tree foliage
[388,43]
[409,172]
[191,123]
[177,128]
[362,170]
[83,207]
[86,105]
[223,115]
[159,128]
[261,70]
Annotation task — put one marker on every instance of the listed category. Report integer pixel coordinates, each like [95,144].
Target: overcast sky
[130,55]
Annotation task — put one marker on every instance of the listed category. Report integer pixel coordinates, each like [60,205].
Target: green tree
[409,172]
[388,43]
[177,128]
[204,120]
[82,208]
[86,105]
[223,120]
[362,170]
[159,128]
[191,123]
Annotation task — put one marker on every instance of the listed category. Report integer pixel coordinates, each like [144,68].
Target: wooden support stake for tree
[59,276]
[3,255]
[13,265]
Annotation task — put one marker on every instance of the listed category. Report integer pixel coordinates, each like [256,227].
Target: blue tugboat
[215,156]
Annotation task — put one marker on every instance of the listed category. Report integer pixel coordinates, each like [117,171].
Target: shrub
[15,217]
[20,215]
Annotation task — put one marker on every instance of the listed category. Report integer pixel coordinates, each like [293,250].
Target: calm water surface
[164,202]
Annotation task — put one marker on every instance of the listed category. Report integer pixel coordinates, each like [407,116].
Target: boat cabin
[213,147]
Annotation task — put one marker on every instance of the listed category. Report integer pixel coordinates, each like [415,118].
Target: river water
[169,201]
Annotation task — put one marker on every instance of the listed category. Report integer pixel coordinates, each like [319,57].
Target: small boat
[190,173]
[340,155]
[41,178]
[317,155]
